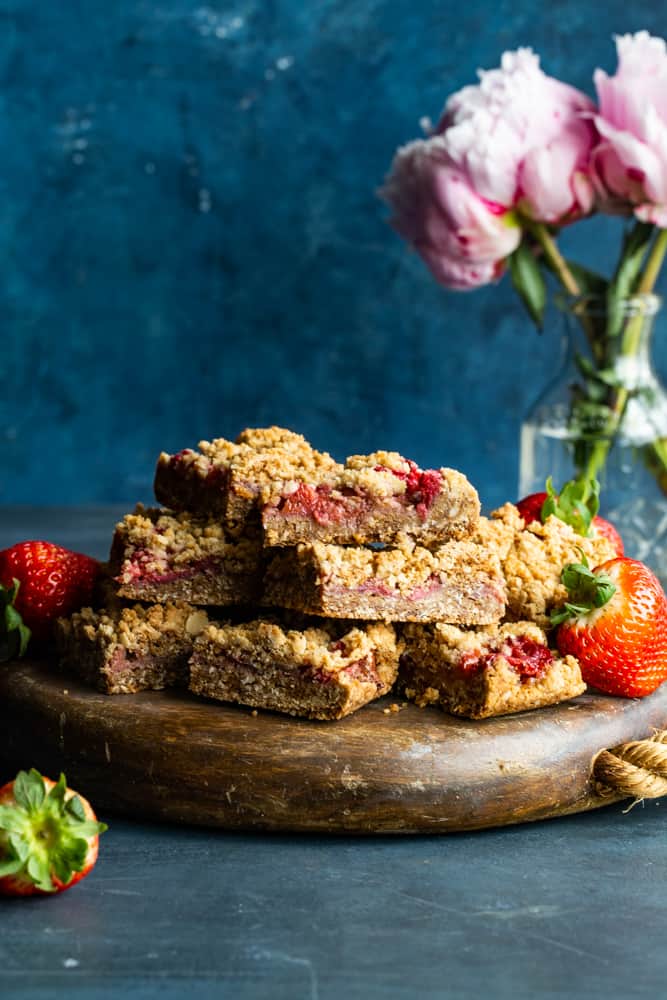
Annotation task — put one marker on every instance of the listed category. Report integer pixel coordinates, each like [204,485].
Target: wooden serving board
[171,756]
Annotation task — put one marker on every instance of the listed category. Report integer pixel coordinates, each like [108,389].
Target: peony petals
[631,160]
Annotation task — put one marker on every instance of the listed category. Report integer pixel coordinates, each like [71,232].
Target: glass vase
[605,416]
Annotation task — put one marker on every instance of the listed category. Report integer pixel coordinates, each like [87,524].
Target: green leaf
[528,280]
[587,590]
[14,635]
[75,807]
[56,797]
[10,866]
[38,869]
[12,820]
[576,504]
[633,251]
[29,790]
[590,283]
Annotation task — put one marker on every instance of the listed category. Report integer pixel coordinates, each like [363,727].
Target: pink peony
[631,159]
[524,139]
[463,238]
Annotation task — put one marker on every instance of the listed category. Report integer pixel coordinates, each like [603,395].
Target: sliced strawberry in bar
[373,498]
[479,673]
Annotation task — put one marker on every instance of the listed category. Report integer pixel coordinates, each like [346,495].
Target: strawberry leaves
[588,590]
[44,835]
[14,635]
[577,504]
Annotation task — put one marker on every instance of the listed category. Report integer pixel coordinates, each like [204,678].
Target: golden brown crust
[433,670]
[130,649]
[322,672]
[535,560]
[459,581]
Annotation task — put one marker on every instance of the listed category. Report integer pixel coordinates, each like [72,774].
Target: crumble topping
[259,455]
[139,628]
[534,562]
[262,438]
[156,540]
[400,569]
[322,648]
[276,466]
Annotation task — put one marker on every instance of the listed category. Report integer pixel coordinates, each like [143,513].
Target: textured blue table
[570,908]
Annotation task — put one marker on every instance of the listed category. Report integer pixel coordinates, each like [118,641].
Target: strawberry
[577,505]
[616,626]
[40,581]
[49,836]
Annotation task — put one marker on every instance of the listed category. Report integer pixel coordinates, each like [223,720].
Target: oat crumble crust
[169,540]
[534,562]
[316,646]
[323,672]
[431,655]
[225,478]
[402,569]
[130,649]
[372,498]
[459,582]
[136,628]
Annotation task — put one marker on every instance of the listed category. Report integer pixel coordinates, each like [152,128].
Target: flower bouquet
[512,161]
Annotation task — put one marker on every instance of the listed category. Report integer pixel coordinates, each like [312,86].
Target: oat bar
[481,673]
[373,498]
[130,649]
[158,555]
[322,672]
[224,479]
[458,582]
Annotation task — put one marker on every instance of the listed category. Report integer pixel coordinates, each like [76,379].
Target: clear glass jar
[605,415]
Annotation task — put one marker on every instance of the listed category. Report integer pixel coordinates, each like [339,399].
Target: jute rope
[635,770]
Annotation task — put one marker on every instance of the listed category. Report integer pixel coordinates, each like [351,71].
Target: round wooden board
[171,756]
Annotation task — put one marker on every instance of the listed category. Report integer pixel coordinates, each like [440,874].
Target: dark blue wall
[191,242]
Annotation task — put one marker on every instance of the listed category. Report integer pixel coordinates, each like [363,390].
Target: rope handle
[635,770]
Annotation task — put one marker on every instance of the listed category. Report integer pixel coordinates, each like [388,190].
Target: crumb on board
[393,708]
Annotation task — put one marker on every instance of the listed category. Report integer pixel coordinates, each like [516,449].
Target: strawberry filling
[421,486]
[315,503]
[135,570]
[324,506]
[360,670]
[179,458]
[528,658]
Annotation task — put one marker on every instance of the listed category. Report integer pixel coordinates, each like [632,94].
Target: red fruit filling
[136,570]
[421,486]
[318,504]
[179,457]
[313,502]
[528,658]
[360,670]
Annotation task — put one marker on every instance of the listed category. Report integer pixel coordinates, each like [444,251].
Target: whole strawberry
[615,623]
[40,581]
[49,836]
[577,505]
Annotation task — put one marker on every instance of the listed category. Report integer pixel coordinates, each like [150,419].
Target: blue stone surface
[191,238]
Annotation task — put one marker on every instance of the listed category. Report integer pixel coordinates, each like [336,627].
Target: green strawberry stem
[14,635]
[587,590]
[44,835]
[576,503]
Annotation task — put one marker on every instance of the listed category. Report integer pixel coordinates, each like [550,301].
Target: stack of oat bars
[276,578]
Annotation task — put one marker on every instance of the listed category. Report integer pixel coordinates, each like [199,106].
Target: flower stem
[656,455]
[653,264]
[554,256]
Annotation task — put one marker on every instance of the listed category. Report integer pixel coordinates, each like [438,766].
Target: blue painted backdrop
[191,241]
